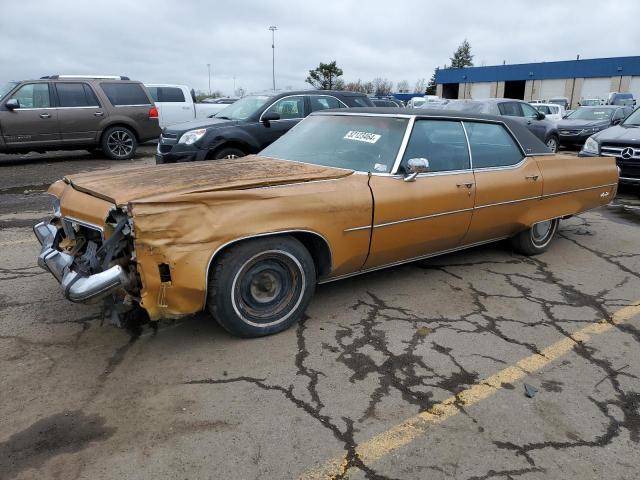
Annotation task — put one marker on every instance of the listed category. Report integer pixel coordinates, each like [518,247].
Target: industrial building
[572,79]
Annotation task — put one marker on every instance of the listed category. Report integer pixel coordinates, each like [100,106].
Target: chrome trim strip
[413,259]
[355,114]
[355,229]
[507,202]
[464,129]
[258,235]
[403,145]
[424,217]
[504,167]
[579,190]
[83,223]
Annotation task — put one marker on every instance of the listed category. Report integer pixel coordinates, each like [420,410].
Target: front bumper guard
[75,286]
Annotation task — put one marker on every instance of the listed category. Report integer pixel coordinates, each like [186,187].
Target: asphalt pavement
[475,365]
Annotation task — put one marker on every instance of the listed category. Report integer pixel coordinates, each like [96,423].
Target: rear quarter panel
[574,184]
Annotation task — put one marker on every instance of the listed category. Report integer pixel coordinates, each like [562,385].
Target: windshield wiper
[223,117]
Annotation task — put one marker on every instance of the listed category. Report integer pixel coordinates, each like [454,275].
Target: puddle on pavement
[25,189]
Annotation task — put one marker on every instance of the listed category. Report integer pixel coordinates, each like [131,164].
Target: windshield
[590,102]
[558,101]
[633,120]
[362,143]
[243,108]
[6,88]
[592,114]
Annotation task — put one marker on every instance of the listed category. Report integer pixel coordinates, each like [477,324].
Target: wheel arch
[119,124]
[317,245]
[239,144]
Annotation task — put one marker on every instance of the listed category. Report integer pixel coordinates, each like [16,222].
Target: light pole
[273,29]
[209,68]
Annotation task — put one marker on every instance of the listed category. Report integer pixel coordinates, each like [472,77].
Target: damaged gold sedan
[341,194]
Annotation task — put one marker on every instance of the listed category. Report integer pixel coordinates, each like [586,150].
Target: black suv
[521,112]
[74,112]
[248,125]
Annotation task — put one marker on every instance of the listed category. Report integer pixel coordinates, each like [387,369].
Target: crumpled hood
[627,134]
[138,183]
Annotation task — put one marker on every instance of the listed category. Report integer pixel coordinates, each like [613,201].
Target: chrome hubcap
[229,157]
[540,231]
[120,143]
[553,146]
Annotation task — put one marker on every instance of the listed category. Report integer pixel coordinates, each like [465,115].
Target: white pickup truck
[176,104]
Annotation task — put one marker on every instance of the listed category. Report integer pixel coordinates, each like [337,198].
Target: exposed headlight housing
[591,146]
[192,136]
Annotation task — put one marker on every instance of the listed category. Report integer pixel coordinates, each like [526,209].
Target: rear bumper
[75,286]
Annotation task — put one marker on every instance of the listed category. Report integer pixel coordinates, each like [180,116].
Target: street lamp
[273,29]
[209,68]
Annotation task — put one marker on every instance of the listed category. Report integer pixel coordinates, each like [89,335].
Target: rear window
[358,101]
[166,94]
[125,93]
[75,95]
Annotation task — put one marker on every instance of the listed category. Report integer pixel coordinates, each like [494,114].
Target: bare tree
[356,86]
[421,86]
[369,88]
[403,86]
[382,86]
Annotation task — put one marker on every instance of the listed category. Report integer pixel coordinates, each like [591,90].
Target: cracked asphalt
[409,373]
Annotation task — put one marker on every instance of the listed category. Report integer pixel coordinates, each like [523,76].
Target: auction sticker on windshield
[362,136]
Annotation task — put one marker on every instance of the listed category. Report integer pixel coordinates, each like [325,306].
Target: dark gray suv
[113,114]
[520,111]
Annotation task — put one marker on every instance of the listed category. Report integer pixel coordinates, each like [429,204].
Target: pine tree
[462,56]
[431,87]
[325,76]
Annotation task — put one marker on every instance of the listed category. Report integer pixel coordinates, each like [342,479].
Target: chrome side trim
[548,195]
[403,145]
[504,167]
[424,217]
[265,234]
[507,202]
[413,259]
[355,229]
[464,129]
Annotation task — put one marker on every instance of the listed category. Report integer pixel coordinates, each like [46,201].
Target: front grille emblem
[627,153]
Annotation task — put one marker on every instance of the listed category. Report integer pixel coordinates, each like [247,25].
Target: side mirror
[416,166]
[270,117]
[616,121]
[12,104]
[540,116]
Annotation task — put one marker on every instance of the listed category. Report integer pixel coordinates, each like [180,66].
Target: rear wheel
[262,286]
[535,239]
[119,143]
[228,153]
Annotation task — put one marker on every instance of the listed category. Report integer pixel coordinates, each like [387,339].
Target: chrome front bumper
[75,286]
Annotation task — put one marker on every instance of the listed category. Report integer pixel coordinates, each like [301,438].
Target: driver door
[431,213]
[291,110]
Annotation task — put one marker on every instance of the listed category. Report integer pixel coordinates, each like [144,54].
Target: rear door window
[510,109]
[75,95]
[120,94]
[33,95]
[170,95]
[324,102]
[491,145]
[357,101]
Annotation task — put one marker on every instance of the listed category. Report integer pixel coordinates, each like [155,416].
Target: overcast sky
[160,41]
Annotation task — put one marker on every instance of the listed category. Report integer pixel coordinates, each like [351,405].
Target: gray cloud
[171,42]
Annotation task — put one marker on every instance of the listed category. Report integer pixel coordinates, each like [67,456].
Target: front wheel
[262,286]
[228,153]
[535,239]
[553,143]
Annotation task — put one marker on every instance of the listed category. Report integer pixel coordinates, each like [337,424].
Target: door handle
[98,114]
[45,115]
[468,185]
[532,177]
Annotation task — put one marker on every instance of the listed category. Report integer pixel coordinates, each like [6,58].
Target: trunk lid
[129,184]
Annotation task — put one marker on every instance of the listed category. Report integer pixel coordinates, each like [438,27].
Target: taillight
[153,112]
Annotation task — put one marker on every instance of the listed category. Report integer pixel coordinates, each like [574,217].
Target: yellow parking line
[18,242]
[407,431]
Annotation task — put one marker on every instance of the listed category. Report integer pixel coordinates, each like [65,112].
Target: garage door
[634,87]
[552,88]
[596,88]
[481,90]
